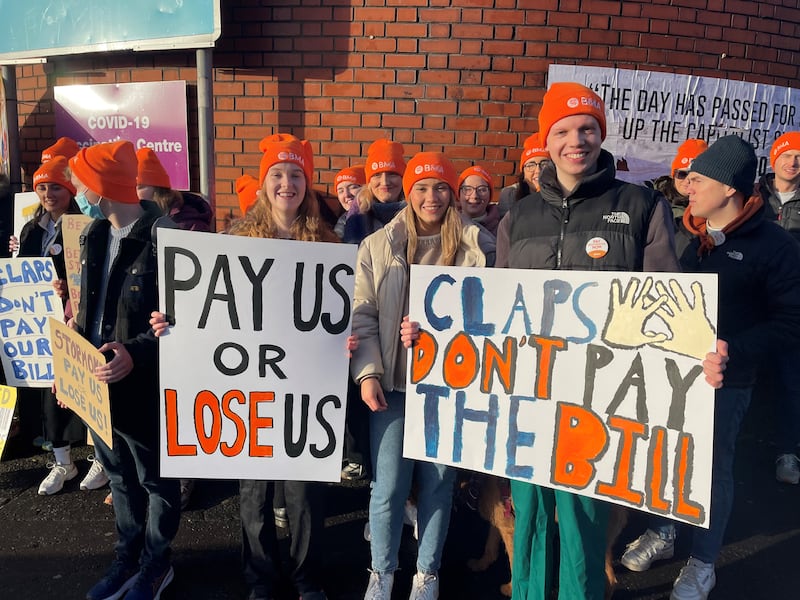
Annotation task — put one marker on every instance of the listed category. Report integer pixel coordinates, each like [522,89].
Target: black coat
[132,294]
[759,293]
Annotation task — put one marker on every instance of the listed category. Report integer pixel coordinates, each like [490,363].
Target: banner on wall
[254,372]
[649,114]
[148,114]
[589,382]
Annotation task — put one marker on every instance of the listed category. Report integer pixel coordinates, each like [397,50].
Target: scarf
[697,225]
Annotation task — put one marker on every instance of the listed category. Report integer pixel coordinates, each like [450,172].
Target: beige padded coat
[381,289]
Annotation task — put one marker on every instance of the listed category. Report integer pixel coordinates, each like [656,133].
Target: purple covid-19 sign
[148,114]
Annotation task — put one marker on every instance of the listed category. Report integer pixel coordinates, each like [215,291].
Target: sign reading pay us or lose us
[27,300]
[254,371]
[588,382]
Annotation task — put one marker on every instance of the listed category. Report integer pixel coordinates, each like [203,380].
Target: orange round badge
[597,247]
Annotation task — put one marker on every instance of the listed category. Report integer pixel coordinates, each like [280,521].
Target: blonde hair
[366,198]
[307,226]
[451,231]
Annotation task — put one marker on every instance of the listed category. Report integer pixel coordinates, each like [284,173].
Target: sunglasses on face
[681,175]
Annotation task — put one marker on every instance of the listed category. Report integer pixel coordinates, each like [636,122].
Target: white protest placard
[71,228]
[74,362]
[590,382]
[649,114]
[27,300]
[25,205]
[8,400]
[254,372]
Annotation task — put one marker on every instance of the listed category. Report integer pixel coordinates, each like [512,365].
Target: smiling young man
[780,192]
[581,218]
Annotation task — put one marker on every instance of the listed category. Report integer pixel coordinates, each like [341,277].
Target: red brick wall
[463,76]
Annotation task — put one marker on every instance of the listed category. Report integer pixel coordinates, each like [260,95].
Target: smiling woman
[428,231]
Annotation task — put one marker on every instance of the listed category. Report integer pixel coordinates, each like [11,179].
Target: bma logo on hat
[291,156]
[778,149]
[573,103]
[417,169]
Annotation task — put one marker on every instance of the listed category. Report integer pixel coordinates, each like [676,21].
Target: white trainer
[695,581]
[645,549]
[96,477]
[787,469]
[424,586]
[54,482]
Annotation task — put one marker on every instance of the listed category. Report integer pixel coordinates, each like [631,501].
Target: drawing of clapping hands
[690,331]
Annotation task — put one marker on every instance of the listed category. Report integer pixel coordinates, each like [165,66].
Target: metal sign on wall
[148,114]
[41,28]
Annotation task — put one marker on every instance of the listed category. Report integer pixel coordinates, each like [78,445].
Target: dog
[492,495]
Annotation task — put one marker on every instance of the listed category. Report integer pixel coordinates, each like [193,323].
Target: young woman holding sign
[429,230]
[42,236]
[286,208]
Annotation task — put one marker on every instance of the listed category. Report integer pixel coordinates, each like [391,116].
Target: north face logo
[617,217]
[735,255]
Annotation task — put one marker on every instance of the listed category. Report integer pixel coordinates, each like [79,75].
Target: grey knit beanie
[729,160]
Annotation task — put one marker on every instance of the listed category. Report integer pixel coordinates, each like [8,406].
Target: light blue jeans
[391,486]
[730,406]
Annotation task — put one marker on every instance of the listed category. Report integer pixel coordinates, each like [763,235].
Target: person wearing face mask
[382,196]
[118,294]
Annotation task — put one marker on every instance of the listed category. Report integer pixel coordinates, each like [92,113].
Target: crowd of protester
[707,216]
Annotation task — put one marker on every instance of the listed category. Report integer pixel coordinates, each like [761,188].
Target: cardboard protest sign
[71,228]
[590,382]
[8,400]
[254,372]
[27,300]
[25,205]
[74,361]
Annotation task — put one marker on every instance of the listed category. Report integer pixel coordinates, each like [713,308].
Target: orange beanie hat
[354,174]
[284,147]
[384,155]
[66,147]
[150,171]
[687,152]
[427,165]
[788,141]
[532,147]
[247,190]
[108,169]
[54,171]
[565,99]
[480,172]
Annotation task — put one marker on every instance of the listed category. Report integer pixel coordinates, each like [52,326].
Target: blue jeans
[730,406]
[147,508]
[392,476]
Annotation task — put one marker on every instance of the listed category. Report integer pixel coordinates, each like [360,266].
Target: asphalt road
[58,546]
